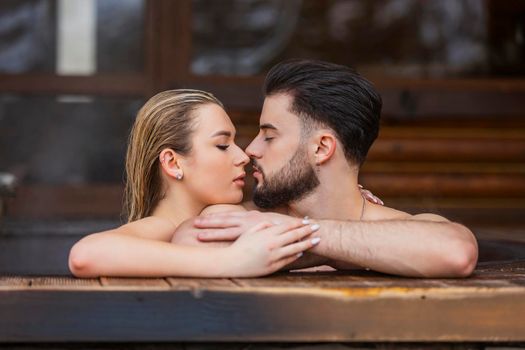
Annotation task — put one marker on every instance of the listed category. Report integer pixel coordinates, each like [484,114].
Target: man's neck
[337,198]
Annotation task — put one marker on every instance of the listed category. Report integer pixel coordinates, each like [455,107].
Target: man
[317,124]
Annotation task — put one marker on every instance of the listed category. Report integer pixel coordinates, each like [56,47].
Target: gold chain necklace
[363,208]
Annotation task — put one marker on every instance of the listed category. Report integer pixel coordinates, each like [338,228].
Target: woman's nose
[242,159]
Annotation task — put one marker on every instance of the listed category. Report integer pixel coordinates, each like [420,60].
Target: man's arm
[424,245]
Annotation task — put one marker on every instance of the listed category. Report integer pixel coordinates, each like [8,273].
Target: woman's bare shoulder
[151,227]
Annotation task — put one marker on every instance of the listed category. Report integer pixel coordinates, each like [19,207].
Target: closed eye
[223,147]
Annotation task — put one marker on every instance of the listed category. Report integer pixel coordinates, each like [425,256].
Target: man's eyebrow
[267,126]
[222,133]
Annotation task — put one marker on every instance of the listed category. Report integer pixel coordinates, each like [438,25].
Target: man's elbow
[463,254]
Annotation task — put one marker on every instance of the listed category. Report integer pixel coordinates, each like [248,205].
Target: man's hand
[228,226]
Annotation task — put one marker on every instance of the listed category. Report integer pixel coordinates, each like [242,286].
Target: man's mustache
[257,167]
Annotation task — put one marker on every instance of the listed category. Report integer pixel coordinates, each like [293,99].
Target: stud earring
[178,176]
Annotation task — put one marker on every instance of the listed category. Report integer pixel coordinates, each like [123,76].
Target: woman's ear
[170,163]
[325,144]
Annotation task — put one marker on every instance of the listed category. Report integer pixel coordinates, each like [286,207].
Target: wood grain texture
[300,306]
[116,283]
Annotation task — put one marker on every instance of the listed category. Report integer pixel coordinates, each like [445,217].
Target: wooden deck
[317,306]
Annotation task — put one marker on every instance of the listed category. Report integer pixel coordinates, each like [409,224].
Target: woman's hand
[267,247]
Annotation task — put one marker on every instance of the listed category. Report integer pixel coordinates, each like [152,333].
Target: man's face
[279,155]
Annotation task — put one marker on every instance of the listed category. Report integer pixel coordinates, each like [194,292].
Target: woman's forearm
[116,254]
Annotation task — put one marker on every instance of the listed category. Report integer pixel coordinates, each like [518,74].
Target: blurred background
[73,74]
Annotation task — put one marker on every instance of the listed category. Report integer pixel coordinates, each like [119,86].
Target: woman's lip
[240,177]
[239,182]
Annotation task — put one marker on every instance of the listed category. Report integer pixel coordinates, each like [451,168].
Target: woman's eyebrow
[222,133]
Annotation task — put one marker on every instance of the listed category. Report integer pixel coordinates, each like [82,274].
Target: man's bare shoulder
[379,212]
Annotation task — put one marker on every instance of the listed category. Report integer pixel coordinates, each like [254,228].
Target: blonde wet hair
[165,121]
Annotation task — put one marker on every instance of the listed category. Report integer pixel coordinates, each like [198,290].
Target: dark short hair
[333,95]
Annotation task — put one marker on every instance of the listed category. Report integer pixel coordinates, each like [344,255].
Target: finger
[296,234]
[279,264]
[262,226]
[215,222]
[220,235]
[279,229]
[296,248]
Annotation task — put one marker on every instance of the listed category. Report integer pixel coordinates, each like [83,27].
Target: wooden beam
[103,85]
[299,306]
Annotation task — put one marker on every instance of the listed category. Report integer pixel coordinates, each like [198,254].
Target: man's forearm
[403,247]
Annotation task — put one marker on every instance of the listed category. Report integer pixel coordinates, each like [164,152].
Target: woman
[182,158]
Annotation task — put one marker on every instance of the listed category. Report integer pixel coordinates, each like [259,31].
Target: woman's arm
[127,252]
[139,248]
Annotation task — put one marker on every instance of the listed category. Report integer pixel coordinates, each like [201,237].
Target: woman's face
[214,169]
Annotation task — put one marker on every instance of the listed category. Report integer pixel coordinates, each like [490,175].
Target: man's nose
[252,150]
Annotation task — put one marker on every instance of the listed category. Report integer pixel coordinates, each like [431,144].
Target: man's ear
[325,144]
[170,163]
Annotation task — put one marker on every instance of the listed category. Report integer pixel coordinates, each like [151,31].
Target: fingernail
[276,222]
[315,227]
[306,220]
[316,240]
[299,254]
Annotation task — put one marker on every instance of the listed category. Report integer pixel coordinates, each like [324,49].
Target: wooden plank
[81,202]
[410,167]
[451,131]
[116,283]
[100,84]
[340,306]
[442,185]
[410,103]
[47,283]
[451,150]
[336,280]
[64,283]
[177,283]
[9,282]
[361,314]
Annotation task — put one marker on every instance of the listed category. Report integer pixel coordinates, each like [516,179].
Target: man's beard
[293,182]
